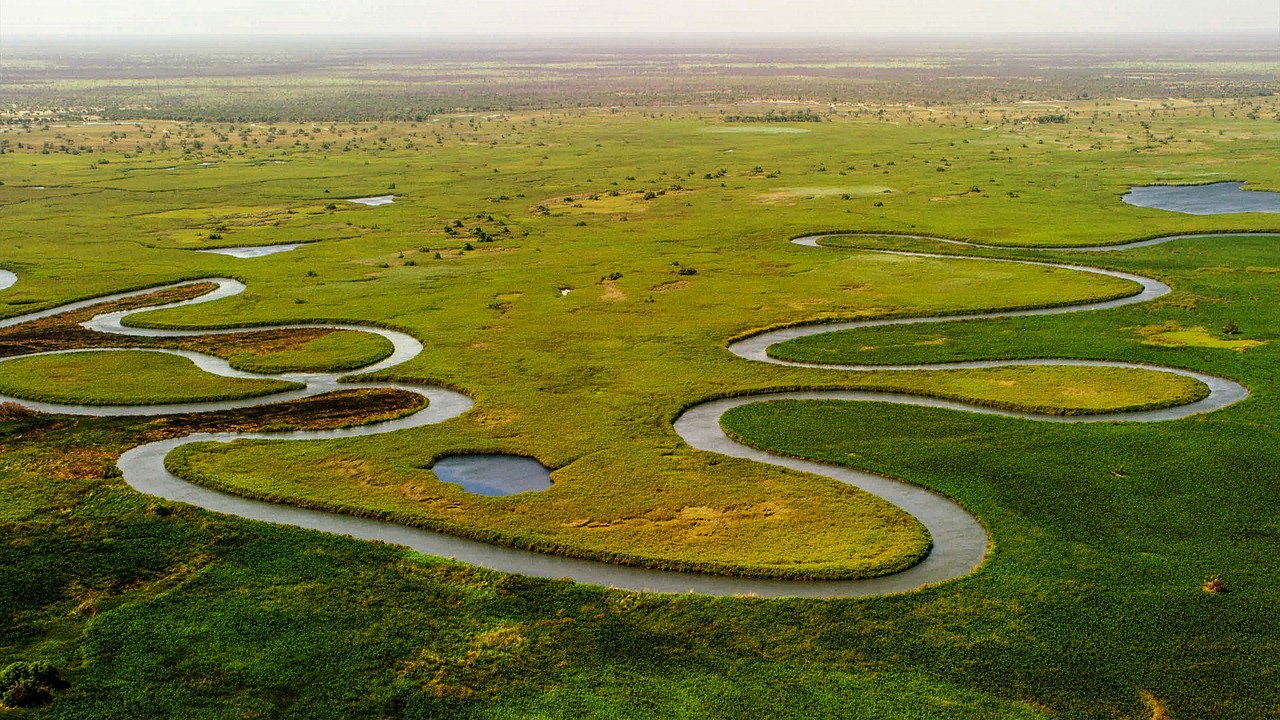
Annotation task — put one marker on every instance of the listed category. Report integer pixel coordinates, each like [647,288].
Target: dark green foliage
[1117,560]
[776,117]
[27,684]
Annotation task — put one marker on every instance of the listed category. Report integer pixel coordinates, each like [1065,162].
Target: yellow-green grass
[1102,535]
[1174,335]
[630,506]
[588,382]
[1049,390]
[748,522]
[124,378]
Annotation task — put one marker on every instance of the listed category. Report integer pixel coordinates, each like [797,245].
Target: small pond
[1214,199]
[374,201]
[253,251]
[493,475]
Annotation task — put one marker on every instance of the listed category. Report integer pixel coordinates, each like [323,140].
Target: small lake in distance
[1213,199]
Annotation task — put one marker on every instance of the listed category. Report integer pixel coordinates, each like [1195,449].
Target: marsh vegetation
[1092,602]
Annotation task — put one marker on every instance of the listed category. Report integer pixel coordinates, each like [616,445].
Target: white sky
[309,17]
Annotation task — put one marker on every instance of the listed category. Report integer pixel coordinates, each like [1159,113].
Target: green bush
[25,684]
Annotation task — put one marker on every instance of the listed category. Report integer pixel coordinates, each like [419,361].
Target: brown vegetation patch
[670,285]
[803,303]
[323,412]
[14,411]
[79,462]
[1214,585]
[1181,301]
[1157,708]
[690,522]
[491,417]
[260,342]
[333,410]
[612,292]
[63,332]
[493,658]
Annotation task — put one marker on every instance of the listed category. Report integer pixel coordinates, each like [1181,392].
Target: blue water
[1215,199]
[493,475]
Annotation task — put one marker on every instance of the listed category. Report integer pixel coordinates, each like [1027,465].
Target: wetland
[880,466]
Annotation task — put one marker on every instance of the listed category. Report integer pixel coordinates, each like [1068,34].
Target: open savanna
[670,240]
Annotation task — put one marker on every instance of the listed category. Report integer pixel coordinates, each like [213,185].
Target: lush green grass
[1049,390]
[811,528]
[158,610]
[1116,527]
[1102,535]
[1216,281]
[127,377]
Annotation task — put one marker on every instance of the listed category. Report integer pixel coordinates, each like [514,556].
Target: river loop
[960,541]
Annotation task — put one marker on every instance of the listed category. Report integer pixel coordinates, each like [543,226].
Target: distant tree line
[771,116]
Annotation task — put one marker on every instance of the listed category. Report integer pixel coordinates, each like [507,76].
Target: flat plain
[579,271]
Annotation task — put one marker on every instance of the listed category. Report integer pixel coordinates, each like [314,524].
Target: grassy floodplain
[124,378]
[670,238]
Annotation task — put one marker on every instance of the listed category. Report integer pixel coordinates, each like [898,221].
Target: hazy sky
[145,17]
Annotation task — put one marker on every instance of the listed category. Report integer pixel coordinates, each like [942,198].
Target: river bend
[960,541]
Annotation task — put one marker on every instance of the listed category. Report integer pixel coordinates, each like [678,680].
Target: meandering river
[959,540]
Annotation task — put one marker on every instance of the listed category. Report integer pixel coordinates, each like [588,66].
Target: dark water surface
[1215,199]
[493,475]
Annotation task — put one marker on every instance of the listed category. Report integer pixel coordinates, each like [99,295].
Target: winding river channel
[960,541]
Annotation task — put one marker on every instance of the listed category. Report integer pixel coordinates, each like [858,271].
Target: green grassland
[124,378]
[1102,535]
[809,529]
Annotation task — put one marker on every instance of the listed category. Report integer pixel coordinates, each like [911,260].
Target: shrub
[24,684]
[14,411]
